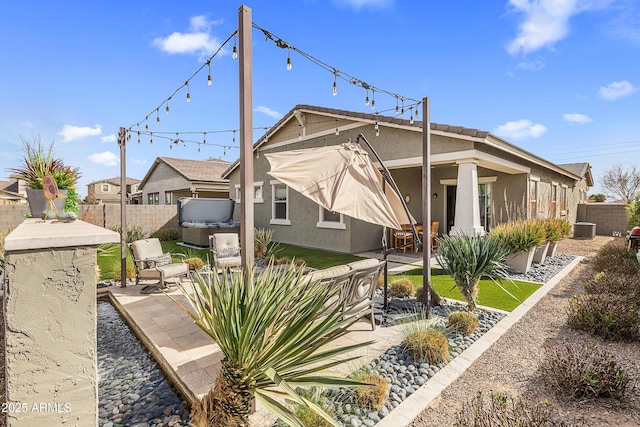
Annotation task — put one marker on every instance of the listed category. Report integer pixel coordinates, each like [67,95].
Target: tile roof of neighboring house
[115,181]
[579,169]
[192,170]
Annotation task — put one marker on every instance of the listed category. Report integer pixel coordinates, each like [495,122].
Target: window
[554,201]
[484,193]
[105,188]
[328,219]
[153,198]
[563,201]
[280,203]
[168,198]
[257,192]
[533,198]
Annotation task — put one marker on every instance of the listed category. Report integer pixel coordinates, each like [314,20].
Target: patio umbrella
[342,179]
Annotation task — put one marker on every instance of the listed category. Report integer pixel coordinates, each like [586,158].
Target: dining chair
[403,237]
[435,225]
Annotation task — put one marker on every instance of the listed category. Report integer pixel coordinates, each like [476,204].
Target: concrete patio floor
[192,360]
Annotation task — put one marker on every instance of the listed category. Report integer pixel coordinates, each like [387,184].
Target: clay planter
[38,204]
[521,262]
[541,253]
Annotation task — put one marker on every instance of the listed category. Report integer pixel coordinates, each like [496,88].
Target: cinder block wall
[608,217]
[150,217]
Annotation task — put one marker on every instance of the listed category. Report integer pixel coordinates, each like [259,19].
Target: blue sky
[559,78]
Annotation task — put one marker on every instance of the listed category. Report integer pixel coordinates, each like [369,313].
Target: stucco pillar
[467,219]
[50,323]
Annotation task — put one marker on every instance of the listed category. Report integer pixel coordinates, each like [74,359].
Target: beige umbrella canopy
[341,178]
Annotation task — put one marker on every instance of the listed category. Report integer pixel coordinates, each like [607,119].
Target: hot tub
[200,217]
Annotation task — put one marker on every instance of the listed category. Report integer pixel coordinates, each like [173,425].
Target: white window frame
[336,225]
[259,185]
[104,188]
[274,220]
[168,198]
[533,211]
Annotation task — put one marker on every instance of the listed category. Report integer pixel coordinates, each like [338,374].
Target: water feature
[132,390]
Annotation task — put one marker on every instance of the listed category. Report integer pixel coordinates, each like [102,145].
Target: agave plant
[269,328]
[468,258]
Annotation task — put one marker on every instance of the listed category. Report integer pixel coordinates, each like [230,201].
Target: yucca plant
[468,258]
[264,245]
[273,340]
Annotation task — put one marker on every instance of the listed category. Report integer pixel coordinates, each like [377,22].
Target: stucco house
[477,179]
[104,191]
[170,179]
[13,191]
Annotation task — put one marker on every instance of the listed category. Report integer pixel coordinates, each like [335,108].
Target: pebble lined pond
[132,390]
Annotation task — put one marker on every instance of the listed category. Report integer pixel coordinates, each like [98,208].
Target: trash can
[584,230]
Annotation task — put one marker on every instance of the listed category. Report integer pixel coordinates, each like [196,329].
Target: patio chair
[403,237]
[225,251]
[360,301]
[435,225]
[152,264]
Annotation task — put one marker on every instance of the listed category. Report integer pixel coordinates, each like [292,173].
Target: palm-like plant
[468,258]
[273,338]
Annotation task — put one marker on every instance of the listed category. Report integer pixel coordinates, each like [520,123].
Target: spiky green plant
[520,236]
[264,245]
[273,340]
[468,258]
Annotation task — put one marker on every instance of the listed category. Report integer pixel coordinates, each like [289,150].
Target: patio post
[246,136]
[426,205]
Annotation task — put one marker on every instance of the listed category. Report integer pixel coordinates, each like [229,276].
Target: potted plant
[38,161]
[540,254]
[522,238]
[557,229]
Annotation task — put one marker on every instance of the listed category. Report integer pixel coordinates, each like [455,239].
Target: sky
[559,78]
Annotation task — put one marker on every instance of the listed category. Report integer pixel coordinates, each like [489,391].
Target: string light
[166,110]
[138,137]
[373,99]
[209,81]
[157,116]
[204,139]
[335,82]
[288,59]
[234,137]
[411,115]
[234,52]
[366,100]
[151,139]
[377,129]
[188,91]
[396,104]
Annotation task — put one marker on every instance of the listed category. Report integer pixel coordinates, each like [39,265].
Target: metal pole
[246,136]
[122,142]
[426,205]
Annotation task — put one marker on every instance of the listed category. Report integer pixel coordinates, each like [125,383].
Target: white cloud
[531,65]
[27,124]
[520,129]
[268,111]
[576,118]
[71,133]
[546,22]
[617,90]
[109,138]
[106,158]
[196,41]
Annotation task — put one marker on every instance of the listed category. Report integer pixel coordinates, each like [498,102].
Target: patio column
[467,219]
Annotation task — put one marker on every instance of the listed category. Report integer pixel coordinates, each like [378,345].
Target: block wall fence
[609,217]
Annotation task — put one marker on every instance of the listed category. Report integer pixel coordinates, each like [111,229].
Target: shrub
[581,371]
[263,243]
[380,284]
[134,232]
[615,260]
[503,411]
[610,316]
[625,285]
[166,234]
[462,321]
[435,298]
[195,264]
[401,288]
[520,236]
[425,342]
[371,396]
[131,272]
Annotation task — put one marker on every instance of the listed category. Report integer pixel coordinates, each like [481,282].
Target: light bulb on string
[151,138]
[397,108]
[157,116]
[166,110]
[188,91]
[417,110]
[366,100]
[289,60]
[234,52]
[373,99]
[138,137]
[377,129]
[411,118]
[335,82]
[234,137]
[204,139]
[402,107]
[209,81]
[198,147]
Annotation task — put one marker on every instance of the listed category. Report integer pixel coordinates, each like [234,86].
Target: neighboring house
[495,179]
[13,191]
[170,179]
[105,191]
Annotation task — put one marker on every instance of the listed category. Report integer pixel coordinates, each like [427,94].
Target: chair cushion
[227,252]
[362,264]
[233,261]
[158,261]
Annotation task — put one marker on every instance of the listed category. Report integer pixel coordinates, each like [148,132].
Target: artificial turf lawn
[490,294]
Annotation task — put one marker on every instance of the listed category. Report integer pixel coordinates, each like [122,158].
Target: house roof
[583,170]
[115,181]
[460,131]
[209,170]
